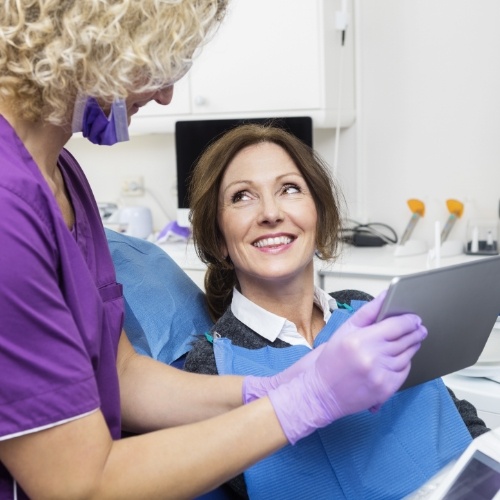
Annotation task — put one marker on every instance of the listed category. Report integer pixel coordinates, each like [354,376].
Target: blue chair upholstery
[164,309]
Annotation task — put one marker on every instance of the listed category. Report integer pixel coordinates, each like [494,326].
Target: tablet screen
[458,305]
[479,479]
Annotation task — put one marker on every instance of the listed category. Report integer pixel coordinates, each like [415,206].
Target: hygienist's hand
[361,366]
[257,387]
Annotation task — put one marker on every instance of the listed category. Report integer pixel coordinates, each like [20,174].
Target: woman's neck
[43,141]
[291,300]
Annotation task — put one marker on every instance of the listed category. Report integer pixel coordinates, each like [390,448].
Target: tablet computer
[458,304]
[475,474]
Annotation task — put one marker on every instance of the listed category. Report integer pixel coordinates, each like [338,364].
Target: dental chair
[164,309]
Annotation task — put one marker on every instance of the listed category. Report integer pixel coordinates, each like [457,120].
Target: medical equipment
[372,234]
[173,232]
[417,208]
[456,209]
[107,210]
[406,245]
[482,237]
[476,474]
[135,221]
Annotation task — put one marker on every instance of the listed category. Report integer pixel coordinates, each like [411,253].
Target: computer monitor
[193,136]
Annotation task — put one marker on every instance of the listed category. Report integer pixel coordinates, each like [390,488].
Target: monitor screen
[193,136]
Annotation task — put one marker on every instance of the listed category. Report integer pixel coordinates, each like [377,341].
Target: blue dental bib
[385,455]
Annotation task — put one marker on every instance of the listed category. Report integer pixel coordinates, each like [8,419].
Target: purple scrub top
[61,310]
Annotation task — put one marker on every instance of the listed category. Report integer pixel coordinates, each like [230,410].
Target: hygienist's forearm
[187,461]
[155,395]
[78,459]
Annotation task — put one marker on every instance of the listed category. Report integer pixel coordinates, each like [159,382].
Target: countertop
[382,262]
[369,261]
[184,254]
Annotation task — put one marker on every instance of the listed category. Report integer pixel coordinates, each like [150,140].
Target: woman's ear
[223,250]
[225,259]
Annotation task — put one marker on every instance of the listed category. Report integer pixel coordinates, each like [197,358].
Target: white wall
[151,156]
[428,123]
[430,109]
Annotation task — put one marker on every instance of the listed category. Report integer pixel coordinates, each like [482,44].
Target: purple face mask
[89,118]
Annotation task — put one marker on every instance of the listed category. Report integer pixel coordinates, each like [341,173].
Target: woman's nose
[164,95]
[270,211]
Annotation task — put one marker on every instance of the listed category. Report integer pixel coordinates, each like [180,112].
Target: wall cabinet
[268,58]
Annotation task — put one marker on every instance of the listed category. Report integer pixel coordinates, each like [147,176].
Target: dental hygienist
[71,380]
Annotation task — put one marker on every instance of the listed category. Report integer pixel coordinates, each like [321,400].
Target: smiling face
[267,217]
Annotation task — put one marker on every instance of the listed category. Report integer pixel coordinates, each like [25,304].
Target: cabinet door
[265,57]
[268,58]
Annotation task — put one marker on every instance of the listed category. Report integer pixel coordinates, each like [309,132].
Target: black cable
[372,234]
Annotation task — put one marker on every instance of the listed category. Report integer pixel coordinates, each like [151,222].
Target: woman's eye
[291,189]
[240,196]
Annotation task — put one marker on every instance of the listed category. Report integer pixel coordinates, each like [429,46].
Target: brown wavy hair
[204,188]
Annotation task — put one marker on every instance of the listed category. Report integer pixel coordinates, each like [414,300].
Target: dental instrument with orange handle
[417,208]
[456,209]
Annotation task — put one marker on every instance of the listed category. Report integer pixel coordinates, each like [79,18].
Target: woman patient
[263,205]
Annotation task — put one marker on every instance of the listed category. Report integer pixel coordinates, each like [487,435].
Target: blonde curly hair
[53,50]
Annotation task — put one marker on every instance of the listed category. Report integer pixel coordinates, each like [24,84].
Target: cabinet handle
[200,100]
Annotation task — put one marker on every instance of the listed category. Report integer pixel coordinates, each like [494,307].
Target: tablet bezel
[459,304]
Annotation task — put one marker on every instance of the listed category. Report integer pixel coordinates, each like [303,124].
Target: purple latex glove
[257,387]
[96,126]
[362,365]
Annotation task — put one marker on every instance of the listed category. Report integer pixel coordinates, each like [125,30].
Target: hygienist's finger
[402,361]
[398,327]
[406,341]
